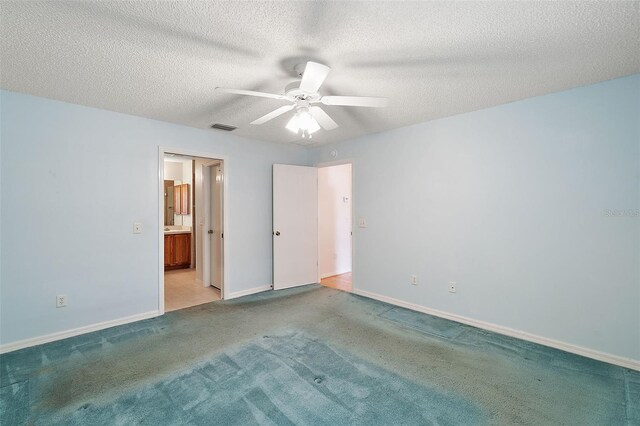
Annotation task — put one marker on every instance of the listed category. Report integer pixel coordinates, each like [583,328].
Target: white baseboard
[236,294]
[568,347]
[21,344]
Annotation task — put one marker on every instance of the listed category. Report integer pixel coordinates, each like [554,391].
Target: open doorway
[334,226]
[192,232]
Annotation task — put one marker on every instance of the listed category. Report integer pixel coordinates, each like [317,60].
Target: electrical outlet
[452,286]
[413,280]
[362,222]
[137,228]
[61,301]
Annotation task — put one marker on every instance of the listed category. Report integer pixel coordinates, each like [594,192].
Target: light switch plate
[362,222]
[137,228]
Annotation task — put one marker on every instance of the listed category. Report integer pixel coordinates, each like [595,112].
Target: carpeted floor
[310,355]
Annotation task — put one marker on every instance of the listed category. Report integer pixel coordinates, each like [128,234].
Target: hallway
[339,282]
[181,290]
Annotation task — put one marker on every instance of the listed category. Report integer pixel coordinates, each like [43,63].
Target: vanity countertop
[177,231]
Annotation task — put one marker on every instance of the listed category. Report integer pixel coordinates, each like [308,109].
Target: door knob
[210,231]
[277,233]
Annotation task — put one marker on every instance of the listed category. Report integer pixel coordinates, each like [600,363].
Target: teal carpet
[310,356]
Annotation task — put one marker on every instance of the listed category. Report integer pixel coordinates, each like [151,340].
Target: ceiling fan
[303,96]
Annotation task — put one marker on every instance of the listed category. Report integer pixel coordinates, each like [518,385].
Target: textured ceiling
[162,60]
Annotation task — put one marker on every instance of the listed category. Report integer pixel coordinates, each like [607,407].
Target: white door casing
[200,234]
[295,226]
[216,225]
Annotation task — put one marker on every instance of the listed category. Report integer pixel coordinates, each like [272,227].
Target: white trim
[161,153]
[247,292]
[568,347]
[207,279]
[21,344]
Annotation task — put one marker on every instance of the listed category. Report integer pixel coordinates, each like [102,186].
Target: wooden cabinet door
[168,251]
[182,249]
[184,198]
[177,200]
[181,198]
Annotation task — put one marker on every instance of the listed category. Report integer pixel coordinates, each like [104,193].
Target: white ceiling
[162,60]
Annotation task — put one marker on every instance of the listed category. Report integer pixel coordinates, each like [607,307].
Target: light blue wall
[74,179]
[510,202]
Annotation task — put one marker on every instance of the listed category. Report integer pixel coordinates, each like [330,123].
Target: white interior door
[216,230]
[295,226]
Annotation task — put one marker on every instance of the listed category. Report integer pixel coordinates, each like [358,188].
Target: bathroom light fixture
[303,122]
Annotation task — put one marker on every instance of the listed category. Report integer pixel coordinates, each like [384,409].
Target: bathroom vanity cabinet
[177,251]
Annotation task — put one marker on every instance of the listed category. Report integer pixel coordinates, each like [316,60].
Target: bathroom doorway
[192,261]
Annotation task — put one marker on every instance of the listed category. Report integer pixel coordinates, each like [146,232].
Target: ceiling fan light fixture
[303,96]
[303,121]
[293,125]
[313,126]
[304,118]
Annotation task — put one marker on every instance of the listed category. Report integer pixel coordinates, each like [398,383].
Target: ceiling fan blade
[250,93]
[313,76]
[361,101]
[273,114]
[323,118]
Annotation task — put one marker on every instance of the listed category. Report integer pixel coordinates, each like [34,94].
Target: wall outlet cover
[61,301]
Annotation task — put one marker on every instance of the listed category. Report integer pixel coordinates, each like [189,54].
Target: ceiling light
[303,122]
[293,124]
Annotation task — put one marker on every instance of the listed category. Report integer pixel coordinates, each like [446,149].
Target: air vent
[224,127]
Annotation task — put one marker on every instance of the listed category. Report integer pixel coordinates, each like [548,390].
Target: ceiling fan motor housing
[292,90]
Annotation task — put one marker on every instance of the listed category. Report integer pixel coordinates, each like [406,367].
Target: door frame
[225,211]
[353,218]
[206,211]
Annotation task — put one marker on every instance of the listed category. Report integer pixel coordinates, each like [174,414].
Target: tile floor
[339,282]
[181,290]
